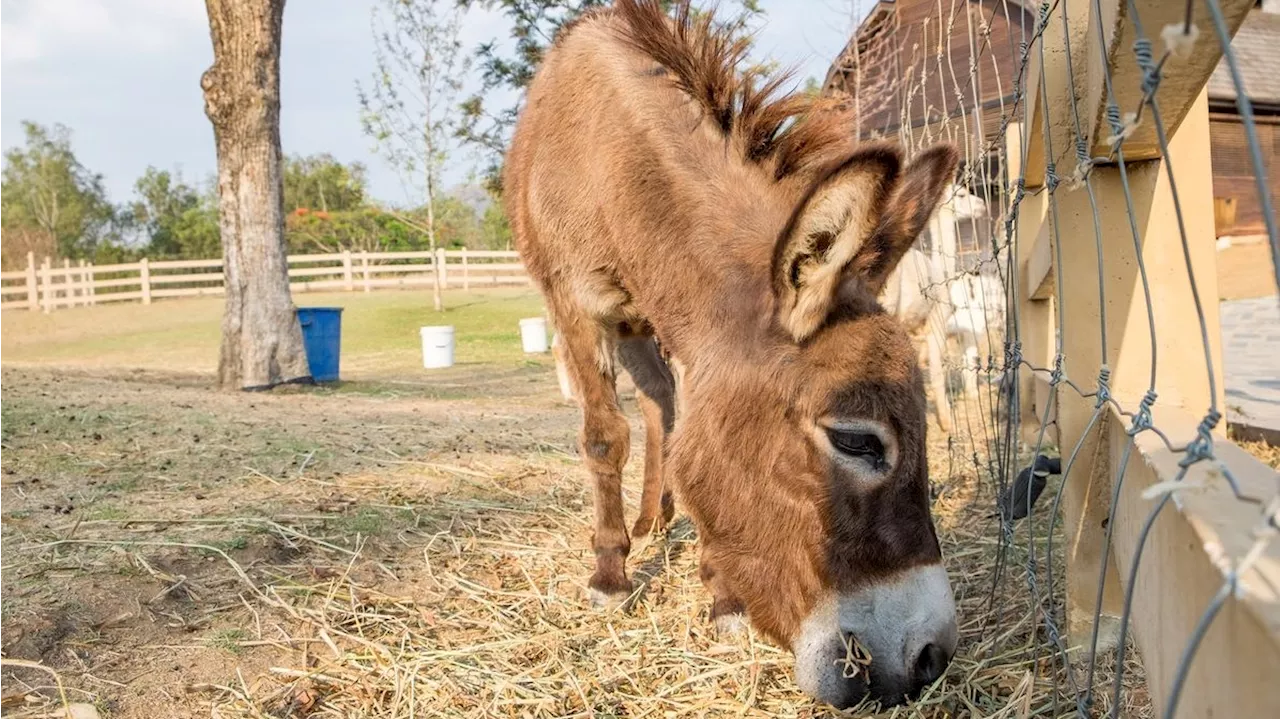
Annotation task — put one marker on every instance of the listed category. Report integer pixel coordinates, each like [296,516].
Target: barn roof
[1257,50]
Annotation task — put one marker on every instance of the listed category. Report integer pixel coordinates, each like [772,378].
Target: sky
[124,76]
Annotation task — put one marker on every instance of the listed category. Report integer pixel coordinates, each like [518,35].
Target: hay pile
[495,624]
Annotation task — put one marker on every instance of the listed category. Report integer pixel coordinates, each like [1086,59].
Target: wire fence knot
[1142,418]
[1012,355]
[1051,176]
[1201,447]
[1150,70]
[1113,118]
[1103,395]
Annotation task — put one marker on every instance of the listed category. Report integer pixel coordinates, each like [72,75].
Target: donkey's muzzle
[885,642]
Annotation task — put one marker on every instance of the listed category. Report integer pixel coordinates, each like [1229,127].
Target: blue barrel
[322,335]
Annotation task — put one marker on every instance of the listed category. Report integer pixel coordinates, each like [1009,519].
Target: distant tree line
[52,205]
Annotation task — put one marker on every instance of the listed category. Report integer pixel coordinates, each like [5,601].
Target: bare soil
[119,491]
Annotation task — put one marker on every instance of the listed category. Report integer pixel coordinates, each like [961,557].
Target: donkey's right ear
[837,215]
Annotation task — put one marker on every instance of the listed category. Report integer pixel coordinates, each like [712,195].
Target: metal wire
[933,96]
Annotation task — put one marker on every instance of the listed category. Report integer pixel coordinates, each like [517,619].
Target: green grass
[228,640]
[379,332]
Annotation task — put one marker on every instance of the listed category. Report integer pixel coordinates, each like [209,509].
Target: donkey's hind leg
[604,443]
[655,393]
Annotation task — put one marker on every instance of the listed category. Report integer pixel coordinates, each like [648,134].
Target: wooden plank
[384,256]
[394,269]
[1234,670]
[15,275]
[329,257]
[177,279]
[121,282]
[1110,47]
[315,271]
[1038,270]
[179,264]
[483,254]
[125,267]
[481,268]
[188,291]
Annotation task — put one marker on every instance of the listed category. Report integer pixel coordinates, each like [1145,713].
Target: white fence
[47,287]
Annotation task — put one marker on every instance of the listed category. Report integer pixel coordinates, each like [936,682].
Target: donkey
[660,198]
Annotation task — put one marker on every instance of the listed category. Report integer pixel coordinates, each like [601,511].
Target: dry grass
[432,583]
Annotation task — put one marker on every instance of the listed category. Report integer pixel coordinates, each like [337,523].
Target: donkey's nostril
[930,665]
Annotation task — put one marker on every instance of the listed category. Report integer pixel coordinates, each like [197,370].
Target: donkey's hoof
[645,526]
[607,601]
[730,626]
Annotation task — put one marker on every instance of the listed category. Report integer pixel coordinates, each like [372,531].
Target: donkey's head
[803,456]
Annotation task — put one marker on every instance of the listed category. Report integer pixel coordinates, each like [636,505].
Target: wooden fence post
[348,282]
[144,270]
[364,269]
[1171,577]
[466,273]
[33,284]
[68,288]
[93,291]
[46,289]
[82,289]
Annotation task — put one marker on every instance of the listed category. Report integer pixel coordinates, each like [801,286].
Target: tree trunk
[431,241]
[261,338]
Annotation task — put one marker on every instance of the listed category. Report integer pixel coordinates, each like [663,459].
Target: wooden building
[1257,50]
[918,63]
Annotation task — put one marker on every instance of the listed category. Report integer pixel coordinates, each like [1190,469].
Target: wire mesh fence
[1085,133]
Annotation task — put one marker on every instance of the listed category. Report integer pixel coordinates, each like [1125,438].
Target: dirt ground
[120,490]
[388,550]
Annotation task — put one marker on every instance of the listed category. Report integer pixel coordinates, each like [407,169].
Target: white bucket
[533,334]
[437,346]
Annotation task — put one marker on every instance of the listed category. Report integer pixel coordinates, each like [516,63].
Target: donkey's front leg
[603,443]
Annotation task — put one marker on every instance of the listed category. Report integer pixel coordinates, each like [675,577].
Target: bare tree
[261,337]
[410,106]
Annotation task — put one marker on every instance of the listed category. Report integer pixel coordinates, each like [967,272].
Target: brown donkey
[656,193]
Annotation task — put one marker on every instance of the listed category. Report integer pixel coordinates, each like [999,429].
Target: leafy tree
[320,231]
[177,219]
[410,106]
[320,182]
[534,24]
[49,201]
[494,230]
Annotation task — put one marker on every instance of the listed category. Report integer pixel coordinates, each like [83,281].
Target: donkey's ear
[836,216]
[908,210]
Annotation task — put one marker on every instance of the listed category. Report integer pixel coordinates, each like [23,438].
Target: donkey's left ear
[840,210]
[908,210]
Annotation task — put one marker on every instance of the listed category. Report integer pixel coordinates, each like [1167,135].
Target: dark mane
[703,59]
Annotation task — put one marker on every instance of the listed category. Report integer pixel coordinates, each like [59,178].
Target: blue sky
[124,76]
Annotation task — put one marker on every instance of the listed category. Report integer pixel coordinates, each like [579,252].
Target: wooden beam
[1038,269]
[1033,119]
[1128,351]
[1110,45]
[1234,671]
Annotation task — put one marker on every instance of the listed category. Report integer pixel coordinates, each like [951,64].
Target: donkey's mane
[703,59]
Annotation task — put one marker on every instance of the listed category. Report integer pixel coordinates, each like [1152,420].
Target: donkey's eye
[863,445]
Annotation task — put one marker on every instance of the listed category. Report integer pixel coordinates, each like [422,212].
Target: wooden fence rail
[50,285]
